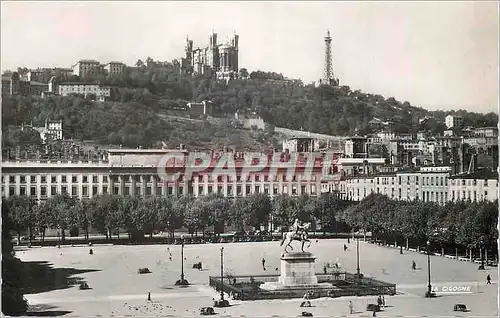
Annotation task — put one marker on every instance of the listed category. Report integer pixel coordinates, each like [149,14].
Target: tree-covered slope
[144,93]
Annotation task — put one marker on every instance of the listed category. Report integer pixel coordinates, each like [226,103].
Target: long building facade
[428,184]
[135,172]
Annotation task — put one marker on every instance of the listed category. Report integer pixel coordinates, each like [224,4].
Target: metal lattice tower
[328,77]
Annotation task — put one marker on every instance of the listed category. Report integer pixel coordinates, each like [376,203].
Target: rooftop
[38,83]
[88,61]
[144,151]
[78,83]
[479,174]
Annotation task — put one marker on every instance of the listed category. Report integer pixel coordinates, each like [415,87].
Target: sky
[436,55]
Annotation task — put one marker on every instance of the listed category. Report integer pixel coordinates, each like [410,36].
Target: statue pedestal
[297,272]
[298,269]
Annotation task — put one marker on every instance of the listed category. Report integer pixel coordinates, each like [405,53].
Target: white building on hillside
[453,121]
[101,92]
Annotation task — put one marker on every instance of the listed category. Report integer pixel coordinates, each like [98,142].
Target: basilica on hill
[216,59]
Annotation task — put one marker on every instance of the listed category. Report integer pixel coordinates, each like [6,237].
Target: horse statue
[299,233]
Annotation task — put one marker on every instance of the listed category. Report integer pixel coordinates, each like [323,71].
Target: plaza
[118,290]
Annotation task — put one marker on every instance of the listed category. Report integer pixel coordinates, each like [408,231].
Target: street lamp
[222,302]
[481,267]
[182,281]
[59,237]
[429,292]
[357,257]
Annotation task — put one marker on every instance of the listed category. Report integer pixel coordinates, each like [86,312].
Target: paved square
[118,290]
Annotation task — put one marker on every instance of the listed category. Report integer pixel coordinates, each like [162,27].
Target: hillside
[144,100]
[127,124]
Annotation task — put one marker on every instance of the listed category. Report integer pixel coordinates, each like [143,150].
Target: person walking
[263,263]
[350,307]
[488,279]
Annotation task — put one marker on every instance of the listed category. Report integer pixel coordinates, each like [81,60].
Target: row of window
[469,182]
[74,190]
[54,179]
[467,195]
[427,181]
[139,178]
[436,196]
[44,191]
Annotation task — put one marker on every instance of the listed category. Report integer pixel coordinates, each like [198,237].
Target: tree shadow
[45,311]
[40,277]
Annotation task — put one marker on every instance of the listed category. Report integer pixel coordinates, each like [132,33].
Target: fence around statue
[246,287]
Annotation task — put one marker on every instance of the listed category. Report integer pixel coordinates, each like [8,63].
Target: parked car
[372,307]
[207,311]
[460,307]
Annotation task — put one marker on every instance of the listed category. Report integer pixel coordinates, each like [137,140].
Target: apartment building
[478,186]
[428,184]
[454,122]
[87,68]
[52,130]
[43,75]
[486,132]
[101,92]
[114,68]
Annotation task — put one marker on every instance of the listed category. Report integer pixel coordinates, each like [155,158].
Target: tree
[196,217]
[284,211]
[237,210]
[42,216]
[178,207]
[59,208]
[109,207]
[244,73]
[305,208]
[139,63]
[98,218]
[13,301]
[259,210]
[22,215]
[164,207]
[82,210]
[327,207]
[217,207]
[126,207]
[145,217]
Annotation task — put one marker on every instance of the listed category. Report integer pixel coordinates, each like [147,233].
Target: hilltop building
[87,68]
[114,68]
[13,84]
[218,59]
[454,122]
[80,88]
[43,75]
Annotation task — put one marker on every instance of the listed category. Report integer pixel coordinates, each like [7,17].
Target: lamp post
[222,274]
[481,267]
[182,281]
[59,237]
[357,257]
[429,293]
[222,302]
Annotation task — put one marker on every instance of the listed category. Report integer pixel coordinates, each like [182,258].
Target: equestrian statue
[298,233]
